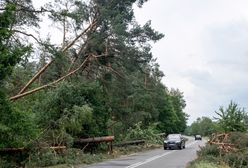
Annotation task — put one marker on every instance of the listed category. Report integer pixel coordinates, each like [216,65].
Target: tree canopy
[101,79]
[232,118]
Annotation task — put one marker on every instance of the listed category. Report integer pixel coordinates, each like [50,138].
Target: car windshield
[173,136]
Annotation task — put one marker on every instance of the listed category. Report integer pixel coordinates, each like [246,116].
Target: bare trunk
[50,84]
[21,93]
[35,77]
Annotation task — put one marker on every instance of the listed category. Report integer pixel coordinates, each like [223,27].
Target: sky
[204,52]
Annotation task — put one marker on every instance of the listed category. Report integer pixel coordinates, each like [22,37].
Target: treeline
[227,136]
[101,79]
[232,118]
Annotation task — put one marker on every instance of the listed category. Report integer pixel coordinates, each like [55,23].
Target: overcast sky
[205,50]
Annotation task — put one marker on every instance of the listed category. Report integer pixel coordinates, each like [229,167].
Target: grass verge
[77,158]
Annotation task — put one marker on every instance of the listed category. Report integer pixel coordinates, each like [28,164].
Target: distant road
[157,158]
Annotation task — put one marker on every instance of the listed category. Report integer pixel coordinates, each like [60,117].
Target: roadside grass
[206,164]
[211,156]
[77,158]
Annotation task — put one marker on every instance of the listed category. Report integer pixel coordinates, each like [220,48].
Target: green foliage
[11,52]
[240,139]
[203,126]
[167,117]
[206,164]
[19,77]
[25,14]
[17,128]
[179,104]
[58,68]
[208,156]
[232,118]
[75,118]
[45,157]
[74,108]
[172,118]
[7,162]
[138,133]
[210,151]
[234,158]
[69,157]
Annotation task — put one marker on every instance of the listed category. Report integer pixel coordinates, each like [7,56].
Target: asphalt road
[157,158]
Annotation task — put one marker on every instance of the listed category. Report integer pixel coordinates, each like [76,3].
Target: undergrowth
[237,157]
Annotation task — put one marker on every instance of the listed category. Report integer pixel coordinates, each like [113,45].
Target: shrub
[148,134]
[6,162]
[236,159]
[71,156]
[239,139]
[209,150]
[206,164]
[44,157]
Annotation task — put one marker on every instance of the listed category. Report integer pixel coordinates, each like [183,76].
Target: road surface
[157,158]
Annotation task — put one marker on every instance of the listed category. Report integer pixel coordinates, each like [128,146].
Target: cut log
[95,139]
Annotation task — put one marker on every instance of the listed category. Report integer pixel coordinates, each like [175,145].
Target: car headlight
[178,141]
[165,141]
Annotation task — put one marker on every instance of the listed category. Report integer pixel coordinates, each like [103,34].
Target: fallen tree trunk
[95,139]
[23,91]
[52,83]
[92,143]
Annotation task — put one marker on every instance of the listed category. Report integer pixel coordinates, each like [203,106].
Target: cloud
[224,76]
[228,57]
[204,52]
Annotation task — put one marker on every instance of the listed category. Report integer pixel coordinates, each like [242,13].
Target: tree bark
[35,77]
[50,84]
[21,93]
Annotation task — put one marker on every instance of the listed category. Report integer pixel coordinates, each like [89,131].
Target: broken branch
[50,84]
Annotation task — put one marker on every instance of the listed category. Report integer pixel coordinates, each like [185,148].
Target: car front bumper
[172,145]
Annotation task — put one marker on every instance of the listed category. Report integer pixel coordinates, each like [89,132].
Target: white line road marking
[154,157]
[134,165]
